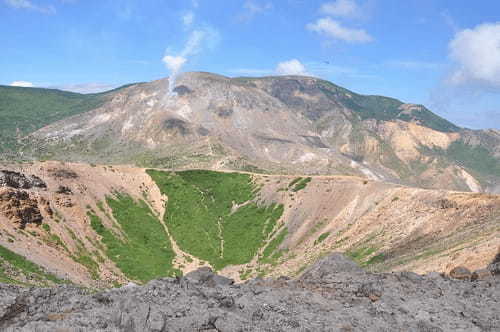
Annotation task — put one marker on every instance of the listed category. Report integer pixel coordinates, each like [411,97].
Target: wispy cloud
[201,37]
[252,8]
[29,5]
[188,19]
[341,8]
[335,30]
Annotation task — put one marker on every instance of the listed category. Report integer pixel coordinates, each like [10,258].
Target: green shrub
[321,238]
[25,267]
[301,184]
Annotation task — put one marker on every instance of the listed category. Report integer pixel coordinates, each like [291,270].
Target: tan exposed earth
[414,229]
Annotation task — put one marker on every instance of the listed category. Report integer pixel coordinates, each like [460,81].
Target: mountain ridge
[290,124]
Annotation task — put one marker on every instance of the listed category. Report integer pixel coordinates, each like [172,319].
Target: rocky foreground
[333,295]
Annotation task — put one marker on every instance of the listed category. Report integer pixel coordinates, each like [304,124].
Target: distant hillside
[25,110]
[287,125]
[365,106]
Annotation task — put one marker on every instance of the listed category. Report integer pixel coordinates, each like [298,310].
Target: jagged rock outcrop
[326,298]
[17,203]
[20,208]
[20,181]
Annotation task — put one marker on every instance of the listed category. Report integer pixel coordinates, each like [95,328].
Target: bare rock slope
[292,125]
[333,295]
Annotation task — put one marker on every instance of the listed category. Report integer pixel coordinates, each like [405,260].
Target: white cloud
[335,30]
[86,87]
[476,53]
[252,8]
[291,67]
[341,8]
[23,84]
[27,4]
[188,19]
[324,70]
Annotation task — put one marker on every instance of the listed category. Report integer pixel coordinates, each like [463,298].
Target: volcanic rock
[367,302]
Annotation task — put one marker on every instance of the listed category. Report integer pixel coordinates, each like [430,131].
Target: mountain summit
[287,124]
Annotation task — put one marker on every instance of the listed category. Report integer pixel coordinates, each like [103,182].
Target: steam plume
[205,36]
[174,64]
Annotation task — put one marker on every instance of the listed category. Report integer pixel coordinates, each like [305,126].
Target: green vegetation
[375,259]
[301,184]
[24,110]
[83,256]
[214,216]
[476,158]
[429,119]
[24,267]
[145,252]
[359,255]
[297,184]
[294,181]
[56,240]
[244,275]
[311,231]
[269,254]
[322,238]
[384,108]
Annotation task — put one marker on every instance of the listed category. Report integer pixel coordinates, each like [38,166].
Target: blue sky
[444,54]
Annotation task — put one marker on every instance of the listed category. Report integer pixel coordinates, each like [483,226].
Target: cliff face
[295,125]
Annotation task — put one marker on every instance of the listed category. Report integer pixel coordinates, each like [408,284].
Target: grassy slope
[476,158]
[146,252]
[25,110]
[22,266]
[201,218]
[384,108]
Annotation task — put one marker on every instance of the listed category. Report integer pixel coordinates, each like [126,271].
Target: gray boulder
[331,265]
[207,277]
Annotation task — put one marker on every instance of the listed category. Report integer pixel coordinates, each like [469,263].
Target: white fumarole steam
[174,63]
